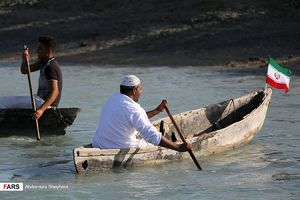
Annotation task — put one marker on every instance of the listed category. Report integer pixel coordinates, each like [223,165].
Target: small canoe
[213,129]
[19,122]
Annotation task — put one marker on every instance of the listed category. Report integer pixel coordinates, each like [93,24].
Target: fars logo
[11,186]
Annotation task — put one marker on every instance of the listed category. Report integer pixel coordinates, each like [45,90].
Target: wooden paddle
[38,137]
[182,138]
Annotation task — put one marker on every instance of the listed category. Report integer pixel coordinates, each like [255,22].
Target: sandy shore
[198,33]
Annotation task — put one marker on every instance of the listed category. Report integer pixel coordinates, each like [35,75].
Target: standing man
[122,118]
[50,80]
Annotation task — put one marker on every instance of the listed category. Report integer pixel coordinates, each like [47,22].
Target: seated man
[50,80]
[122,118]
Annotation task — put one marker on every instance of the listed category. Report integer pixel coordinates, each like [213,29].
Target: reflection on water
[266,168]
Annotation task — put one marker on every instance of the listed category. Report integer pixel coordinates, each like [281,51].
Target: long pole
[37,129]
[182,138]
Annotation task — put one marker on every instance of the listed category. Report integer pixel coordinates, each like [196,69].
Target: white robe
[121,120]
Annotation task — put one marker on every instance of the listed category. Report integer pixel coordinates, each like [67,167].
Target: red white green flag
[277,76]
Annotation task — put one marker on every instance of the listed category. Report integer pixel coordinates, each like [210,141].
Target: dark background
[153,32]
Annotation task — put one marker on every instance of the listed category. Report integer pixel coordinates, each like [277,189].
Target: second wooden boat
[19,122]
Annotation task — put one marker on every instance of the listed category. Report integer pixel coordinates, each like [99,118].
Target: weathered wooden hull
[19,122]
[211,130]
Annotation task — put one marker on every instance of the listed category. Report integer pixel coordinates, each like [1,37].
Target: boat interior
[209,119]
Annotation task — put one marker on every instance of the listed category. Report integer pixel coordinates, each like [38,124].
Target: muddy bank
[240,33]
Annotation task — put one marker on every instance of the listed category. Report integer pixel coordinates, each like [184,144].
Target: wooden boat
[19,121]
[213,129]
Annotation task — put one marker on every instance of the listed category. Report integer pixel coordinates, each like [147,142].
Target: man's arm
[158,109]
[33,67]
[143,125]
[53,85]
[152,113]
[164,142]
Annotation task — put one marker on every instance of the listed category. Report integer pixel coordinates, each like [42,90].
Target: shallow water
[266,168]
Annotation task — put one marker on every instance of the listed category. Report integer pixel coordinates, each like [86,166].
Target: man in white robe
[122,120]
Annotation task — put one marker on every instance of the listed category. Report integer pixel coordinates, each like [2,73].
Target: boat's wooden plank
[82,152]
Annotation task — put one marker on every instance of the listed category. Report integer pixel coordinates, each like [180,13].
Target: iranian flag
[277,76]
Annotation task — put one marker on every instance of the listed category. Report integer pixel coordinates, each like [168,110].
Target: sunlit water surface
[266,168]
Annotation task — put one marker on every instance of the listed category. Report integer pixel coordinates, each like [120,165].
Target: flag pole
[266,86]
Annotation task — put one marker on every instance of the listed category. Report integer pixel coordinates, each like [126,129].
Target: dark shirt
[49,71]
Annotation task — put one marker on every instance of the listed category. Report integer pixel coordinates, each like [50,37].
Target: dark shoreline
[239,34]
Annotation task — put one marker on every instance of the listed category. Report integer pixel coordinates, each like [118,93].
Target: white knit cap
[130,80]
